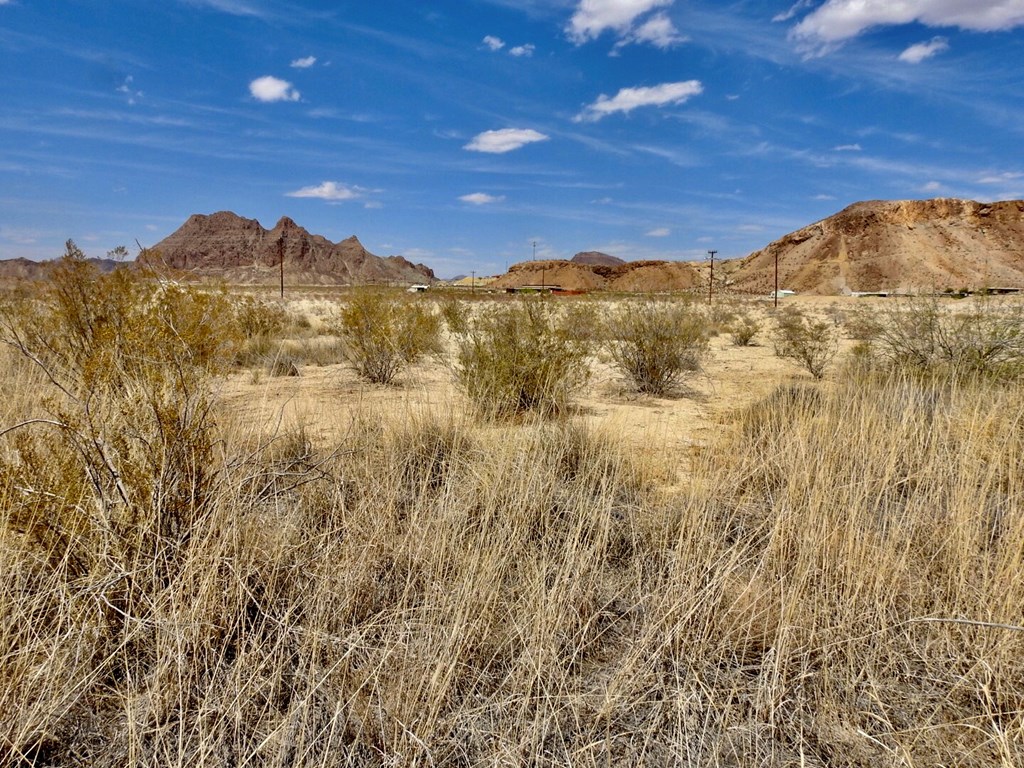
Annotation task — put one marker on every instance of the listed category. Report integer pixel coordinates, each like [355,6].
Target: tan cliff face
[241,250]
[894,245]
[633,276]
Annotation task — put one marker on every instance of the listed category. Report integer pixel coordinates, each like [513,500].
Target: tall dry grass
[840,584]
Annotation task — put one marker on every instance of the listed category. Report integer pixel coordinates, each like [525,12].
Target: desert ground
[210,565]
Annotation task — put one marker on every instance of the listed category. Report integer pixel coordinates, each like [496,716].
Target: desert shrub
[260,318]
[654,344]
[382,334]
[120,467]
[455,313]
[922,334]
[520,357]
[743,329]
[811,343]
[583,321]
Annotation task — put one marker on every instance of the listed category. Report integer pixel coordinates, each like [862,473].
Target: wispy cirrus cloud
[329,190]
[659,232]
[504,140]
[628,99]
[270,89]
[481,198]
[915,54]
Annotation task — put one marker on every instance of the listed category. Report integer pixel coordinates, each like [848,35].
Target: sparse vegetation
[654,344]
[382,334]
[810,342]
[743,329]
[425,590]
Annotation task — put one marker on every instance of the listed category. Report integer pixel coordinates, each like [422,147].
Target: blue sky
[459,133]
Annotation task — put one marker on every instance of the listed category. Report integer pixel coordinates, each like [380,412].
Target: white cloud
[523,50]
[796,8]
[592,17]
[915,54]
[494,43]
[824,197]
[304,63]
[847,148]
[659,31]
[127,87]
[505,140]
[932,186]
[328,190]
[839,20]
[270,88]
[1001,178]
[481,198]
[628,99]
[659,232]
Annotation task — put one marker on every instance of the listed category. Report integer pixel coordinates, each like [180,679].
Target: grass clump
[520,357]
[382,334]
[809,342]
[654,344]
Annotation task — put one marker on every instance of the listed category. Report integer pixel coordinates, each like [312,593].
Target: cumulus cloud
[523,50]
[304,63]
[594,17]
[659,31]
[270,88]
[915,54]
[494,43]
[628,99]
[481,198]
[505,140]
[839,20]
[328,190]
[659,232]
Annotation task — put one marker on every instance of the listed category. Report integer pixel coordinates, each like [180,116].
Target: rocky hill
[894,245]
[638,276]
[597,259]
[240,250]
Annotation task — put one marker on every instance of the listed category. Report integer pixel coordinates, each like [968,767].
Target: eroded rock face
[597,259]
[895,245]
[241,250]
[633,276]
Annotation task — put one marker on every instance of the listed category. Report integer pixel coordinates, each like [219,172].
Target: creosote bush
[811,343]
[520,357]
[383,334]
[655,343]
[927,334]
[743,328]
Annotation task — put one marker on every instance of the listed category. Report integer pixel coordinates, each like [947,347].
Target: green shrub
[743,329]
[811,343]
[520,357]
[654,344]
[381,335]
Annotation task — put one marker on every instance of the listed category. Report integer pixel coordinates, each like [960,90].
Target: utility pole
[472,282]
[776,294]
[280,261]
[711,279]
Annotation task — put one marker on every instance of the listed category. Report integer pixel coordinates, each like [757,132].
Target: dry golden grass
[834,579]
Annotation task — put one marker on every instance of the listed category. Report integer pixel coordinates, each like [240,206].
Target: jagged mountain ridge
[226,245]
[895,245]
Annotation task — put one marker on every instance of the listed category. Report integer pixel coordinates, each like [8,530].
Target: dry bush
[520,357]
[743,329]
[927,335]
[811,343]
[381,334]
[655,343]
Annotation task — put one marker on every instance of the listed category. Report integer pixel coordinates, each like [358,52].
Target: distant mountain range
[239,250]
